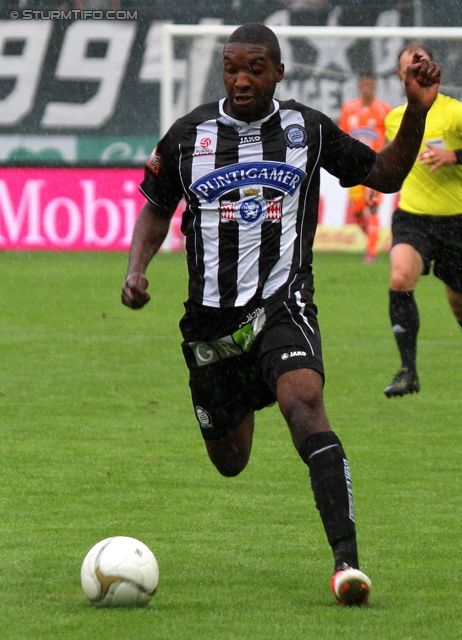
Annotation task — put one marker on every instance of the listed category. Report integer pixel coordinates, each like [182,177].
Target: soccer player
[427,225]
[363,119]
[249,168]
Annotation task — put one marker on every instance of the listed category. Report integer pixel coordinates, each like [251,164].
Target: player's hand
[422,81]
[134,294]
[437,157]
[371,197]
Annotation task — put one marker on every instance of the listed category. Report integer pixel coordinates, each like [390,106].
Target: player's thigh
[225,392]
[406,267]
[231,452]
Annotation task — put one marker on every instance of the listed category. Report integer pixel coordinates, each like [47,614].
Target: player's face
[367,88]
[250,78]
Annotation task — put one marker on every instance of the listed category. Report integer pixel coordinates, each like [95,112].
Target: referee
[249,168]
[427,226]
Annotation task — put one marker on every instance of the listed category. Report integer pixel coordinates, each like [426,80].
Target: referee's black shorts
[224,387]
[438,239]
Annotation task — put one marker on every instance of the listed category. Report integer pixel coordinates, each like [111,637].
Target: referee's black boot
[404,382]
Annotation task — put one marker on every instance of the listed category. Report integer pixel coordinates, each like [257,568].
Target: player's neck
[366,102]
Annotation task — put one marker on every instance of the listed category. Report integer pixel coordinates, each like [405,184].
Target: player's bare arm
[149,233]
[421,81]
[437,157]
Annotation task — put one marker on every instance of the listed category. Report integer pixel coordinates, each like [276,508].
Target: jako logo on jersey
[249,139]
[292,354]
[295,136]
[280,176]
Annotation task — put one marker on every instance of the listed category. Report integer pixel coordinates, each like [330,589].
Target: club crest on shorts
[203,416]
[295,136]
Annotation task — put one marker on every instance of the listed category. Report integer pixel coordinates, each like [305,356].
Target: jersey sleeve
[348,159]
[162,184]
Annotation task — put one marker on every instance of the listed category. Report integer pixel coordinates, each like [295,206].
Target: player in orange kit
[363,119]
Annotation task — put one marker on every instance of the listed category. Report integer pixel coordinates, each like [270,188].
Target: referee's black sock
[404,317]
[331,484]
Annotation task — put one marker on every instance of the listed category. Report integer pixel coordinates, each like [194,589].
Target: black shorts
[235,356]
[438,239]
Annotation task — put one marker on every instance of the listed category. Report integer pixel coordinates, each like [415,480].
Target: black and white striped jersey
[252,192]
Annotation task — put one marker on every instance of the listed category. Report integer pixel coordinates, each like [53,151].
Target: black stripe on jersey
[228,246]
[191,224]
[273,149]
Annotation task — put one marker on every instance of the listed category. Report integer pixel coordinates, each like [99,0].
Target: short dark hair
[257,33]
[412,47]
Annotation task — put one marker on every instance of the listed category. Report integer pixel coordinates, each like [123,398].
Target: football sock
[404,317]
[373,231]
[331,485]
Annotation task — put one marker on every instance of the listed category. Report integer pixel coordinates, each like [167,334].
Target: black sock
[331,484]
[404,317]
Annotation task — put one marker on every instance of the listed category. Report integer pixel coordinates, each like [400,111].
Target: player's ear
[280,72]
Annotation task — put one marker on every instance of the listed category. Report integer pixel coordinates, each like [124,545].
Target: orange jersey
[365,123]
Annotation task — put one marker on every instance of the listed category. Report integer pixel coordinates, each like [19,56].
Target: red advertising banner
[71,209]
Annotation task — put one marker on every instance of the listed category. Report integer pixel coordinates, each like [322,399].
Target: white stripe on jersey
[207,134]
[296,157]
[249,238]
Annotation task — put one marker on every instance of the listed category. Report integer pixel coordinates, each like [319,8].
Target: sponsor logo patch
[249,139]
[281,176]
[154,162]
[293,354]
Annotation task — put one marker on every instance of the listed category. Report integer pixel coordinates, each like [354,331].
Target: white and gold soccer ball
[120,572]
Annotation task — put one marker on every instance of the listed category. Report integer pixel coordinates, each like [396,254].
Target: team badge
[203,416]
[295,136]
[250,212]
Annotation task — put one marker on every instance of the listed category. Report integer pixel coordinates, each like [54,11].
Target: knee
[228,460]
[229,468]
[402,280]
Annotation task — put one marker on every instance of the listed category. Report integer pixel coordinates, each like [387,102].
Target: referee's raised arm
[421,82]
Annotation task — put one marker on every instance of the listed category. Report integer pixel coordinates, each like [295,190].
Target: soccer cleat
[404,382]
[350,586]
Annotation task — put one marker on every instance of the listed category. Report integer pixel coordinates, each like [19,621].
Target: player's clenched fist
[134,294]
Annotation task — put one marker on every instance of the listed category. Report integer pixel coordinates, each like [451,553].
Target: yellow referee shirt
[438,193]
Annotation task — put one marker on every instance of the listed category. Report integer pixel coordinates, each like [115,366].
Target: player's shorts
[235,356]
[438,239]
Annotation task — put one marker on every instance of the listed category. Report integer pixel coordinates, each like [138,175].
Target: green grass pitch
[98,438]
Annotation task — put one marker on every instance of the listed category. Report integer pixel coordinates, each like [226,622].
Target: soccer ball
[119,572]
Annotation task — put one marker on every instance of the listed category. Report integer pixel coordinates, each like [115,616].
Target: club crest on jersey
[295,136]
[264,173]
[252,210]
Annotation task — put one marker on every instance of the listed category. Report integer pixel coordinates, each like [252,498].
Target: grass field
[98,439]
